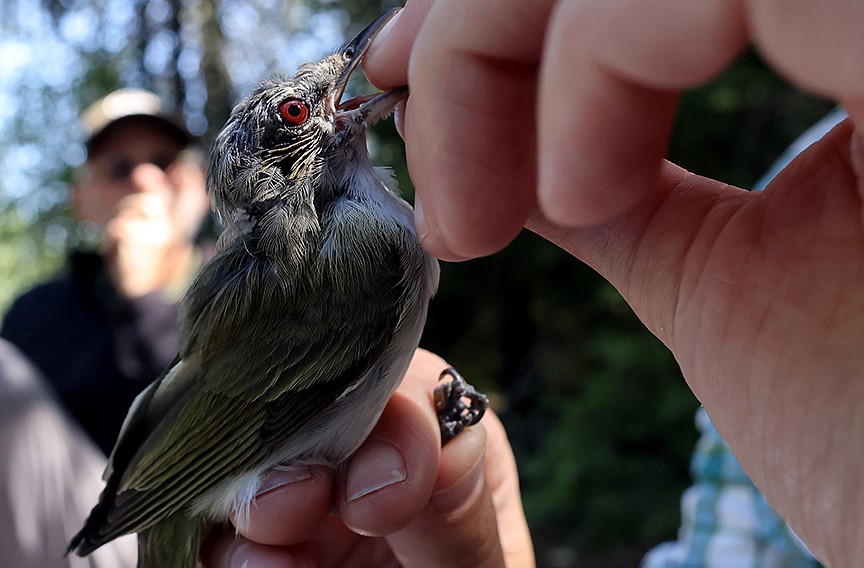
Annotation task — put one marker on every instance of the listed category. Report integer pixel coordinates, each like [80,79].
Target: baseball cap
[127,106]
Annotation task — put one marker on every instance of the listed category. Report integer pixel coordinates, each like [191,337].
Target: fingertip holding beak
[356,48]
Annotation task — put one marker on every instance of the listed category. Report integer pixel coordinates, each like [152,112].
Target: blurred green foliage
[23,259]
[599,416]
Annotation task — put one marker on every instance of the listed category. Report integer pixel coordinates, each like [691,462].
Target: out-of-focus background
[599,416]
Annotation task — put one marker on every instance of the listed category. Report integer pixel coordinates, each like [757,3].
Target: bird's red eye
[294,111]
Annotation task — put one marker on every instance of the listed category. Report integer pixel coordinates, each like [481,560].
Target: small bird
[295,334]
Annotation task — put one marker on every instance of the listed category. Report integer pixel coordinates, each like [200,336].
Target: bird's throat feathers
[293,230]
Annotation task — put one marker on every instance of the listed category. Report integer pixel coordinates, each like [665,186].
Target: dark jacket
[98,350]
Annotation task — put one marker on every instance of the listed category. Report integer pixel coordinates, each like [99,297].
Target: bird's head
[287,143]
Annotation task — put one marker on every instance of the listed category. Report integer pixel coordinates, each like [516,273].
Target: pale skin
[454,507]
[555,115]
[147,219]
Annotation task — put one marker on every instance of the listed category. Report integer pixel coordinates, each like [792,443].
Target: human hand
[456,506]
[568,104]
[148,239]
[139,237]
[557,115]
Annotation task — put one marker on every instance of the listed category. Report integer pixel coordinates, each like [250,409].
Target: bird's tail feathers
[173,543]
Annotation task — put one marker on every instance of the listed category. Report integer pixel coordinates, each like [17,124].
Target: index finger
[469,123]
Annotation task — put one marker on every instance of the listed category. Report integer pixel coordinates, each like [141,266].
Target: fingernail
[399,118]
[249,555]
[461,494]
[420,218]
[374,467]
[284,475]
[381,37]
[434,244]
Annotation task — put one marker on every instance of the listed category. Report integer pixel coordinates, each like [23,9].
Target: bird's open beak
[354,51]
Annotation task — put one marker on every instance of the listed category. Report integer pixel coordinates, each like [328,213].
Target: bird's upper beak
[353,51]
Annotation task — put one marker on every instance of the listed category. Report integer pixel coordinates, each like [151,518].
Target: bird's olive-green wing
[196,455]
[212,432]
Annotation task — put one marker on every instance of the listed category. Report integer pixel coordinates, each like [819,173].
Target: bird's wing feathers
[199,437]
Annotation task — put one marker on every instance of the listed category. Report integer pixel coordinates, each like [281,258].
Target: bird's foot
[458,405]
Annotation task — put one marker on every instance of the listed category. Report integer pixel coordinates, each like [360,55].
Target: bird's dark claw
[458,405]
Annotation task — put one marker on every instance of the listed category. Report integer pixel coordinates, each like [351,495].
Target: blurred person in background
[106,327]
